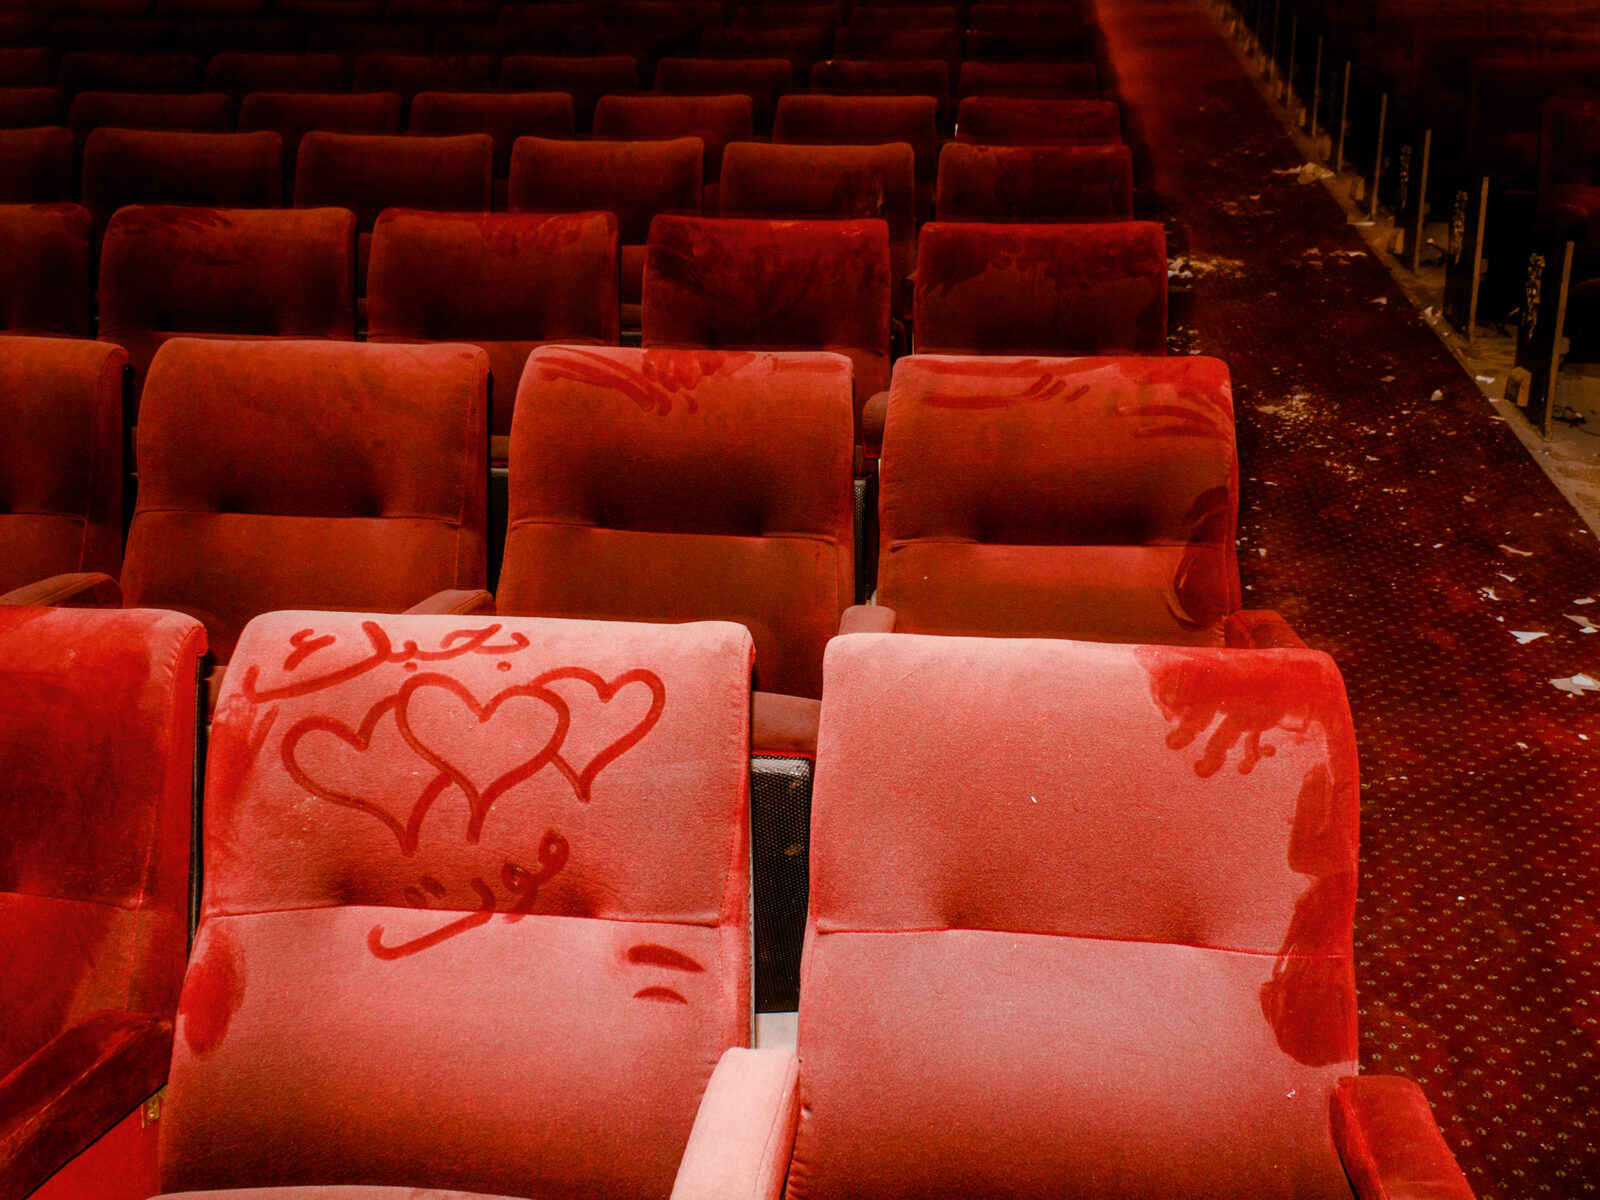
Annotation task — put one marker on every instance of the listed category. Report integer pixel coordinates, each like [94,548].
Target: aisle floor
[1412,538]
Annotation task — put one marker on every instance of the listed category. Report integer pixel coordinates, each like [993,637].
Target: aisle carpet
[1401,527]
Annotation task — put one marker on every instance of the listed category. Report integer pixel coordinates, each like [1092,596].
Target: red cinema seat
[764,80]
[368,173]
[715,120]
[109,71]
[30,107]
[35,165]
[1086,498]
[764,180]
[241,73]
[863,121]
[802,46]
[114,36]
[504,116]
[476,912]
[208,38]
[168,272]
[1013,121]
[355,36]
[507,282]
[27,66]
[735,504]
[635,181]
[584,79]
[898,41]
[1080,924]
[61,459]
[1029,80]
[1063,43]
[903,16]
[97,780]
[221,170]
[738,284]
[199,112]
[45,275]
[1034,183]
[279,474]
[292,115]
[891,77]
[794,16]
[1041,289]
[407,74]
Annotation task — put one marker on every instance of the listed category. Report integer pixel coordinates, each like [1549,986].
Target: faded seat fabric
[45,272]
[737,284]
[476,908]
[1084,498]
[680,485]
[1053,289]
[97,741]
[168,271]
[507,282]
[864,120]
[221,170]
[1080,924]
[999,184]
[291,474]
[60,459]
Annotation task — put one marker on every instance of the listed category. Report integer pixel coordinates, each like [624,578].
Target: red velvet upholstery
[197,111]
[61,458]
[26,66]
[169,272]
[1034,183]
[368,173]
[505,117]
[87,71]
[504,281]
[330,475]
[30,107]
[1082,498]
[35,165]
[239,74]
[439,953]
[1068,937]
[788,16]
[1036,80]
[1042,289]
[715,120]
[584,79]
[863,120]
[764,80]
[678,485]
[633,180]
[407,74]
[887,77]
[858,41]
[224,170]
[97,735]
[802,47]
[907,16]
[773,285]
[44,268]
[1009,121]
[291,115]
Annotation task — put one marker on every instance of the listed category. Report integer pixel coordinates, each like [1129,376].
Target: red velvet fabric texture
[1034,183]
[875,77]
[226,170]
[44,267]
[1084,498]
[677,485]
[37,165]
[715,120]
[1009,121]
[1038,80]
[407,74]
[480,924]
[282,474]
[292,115]
[102,71]
[97,722]
[1041,289]
[863,120]
[1119,881]
[26,66]
[773,285]
[584,79]
[504,281]
[368,173]
[167,271]
[504,116]
[764,80]
[240,73]
[198,111]
[1389,1142]
[61,458]
[30,107]
[854,41]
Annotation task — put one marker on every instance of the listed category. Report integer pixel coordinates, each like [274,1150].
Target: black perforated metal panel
[780,845]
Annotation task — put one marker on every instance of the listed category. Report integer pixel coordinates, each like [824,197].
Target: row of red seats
[476,917]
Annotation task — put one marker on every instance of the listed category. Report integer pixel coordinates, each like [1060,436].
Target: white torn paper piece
[1437,396]
[1507,578]
[1381,300]
[1487,594]
[1583,623]
[1584,600]
[1514,550]
[1484,378]
[1577,684]
[1524,636]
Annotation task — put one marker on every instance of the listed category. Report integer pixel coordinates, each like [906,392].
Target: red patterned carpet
[1408,537]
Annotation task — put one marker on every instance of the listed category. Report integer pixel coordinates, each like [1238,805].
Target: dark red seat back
[35,165]
[46,282]
[221,170]
[1034,183]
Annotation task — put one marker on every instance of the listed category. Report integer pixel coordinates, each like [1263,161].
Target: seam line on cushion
[1153,544]
[714,923]
[1092,937]
[213,512]
[820,538]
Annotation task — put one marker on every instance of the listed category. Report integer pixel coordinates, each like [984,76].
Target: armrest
[874,414]
[1389,1142]
[83,589]
[743,1135]
[1259,629]
[454,602]
[867,618]
[784,724]
[75,1088]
